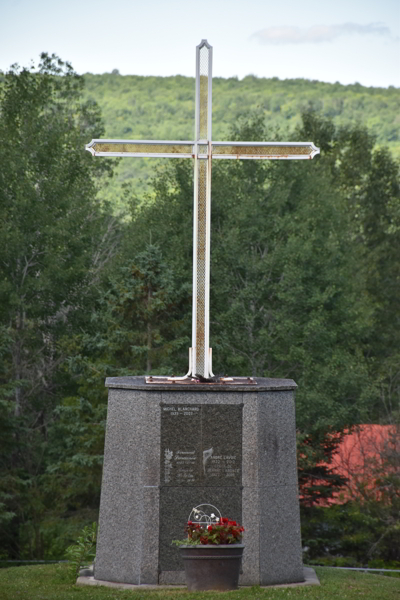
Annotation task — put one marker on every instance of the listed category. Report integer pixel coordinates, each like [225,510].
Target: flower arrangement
[223,531]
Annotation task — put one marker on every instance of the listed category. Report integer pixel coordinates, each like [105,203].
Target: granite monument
[173,443]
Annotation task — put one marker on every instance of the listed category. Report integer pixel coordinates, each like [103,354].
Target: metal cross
[202,150]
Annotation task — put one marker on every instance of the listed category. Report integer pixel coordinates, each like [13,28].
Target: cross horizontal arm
[140,148]
[189,149]
[264,150]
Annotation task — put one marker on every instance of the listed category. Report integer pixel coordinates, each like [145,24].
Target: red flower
[224,531]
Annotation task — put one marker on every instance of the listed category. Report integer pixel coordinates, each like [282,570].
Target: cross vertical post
[201,358]
[203,150]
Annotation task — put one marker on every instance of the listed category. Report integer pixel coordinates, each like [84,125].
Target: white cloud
[318,33]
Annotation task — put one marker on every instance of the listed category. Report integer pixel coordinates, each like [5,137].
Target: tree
[379,202]
[362,520]
[146,303]
[54,242]
[139,321]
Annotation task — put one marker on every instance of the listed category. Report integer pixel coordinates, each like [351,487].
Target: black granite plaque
[201,445]
[201,463]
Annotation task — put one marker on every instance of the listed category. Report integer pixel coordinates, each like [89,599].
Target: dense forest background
[162,108]
[95,281]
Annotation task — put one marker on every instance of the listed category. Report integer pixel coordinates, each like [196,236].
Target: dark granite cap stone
[262,384]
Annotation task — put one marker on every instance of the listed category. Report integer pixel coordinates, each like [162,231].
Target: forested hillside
[162,108]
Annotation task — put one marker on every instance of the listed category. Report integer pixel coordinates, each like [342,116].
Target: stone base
[251,477]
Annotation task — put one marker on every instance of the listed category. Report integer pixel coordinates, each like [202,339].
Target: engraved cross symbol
[202,150]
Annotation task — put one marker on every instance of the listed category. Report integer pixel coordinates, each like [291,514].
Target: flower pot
[209,567]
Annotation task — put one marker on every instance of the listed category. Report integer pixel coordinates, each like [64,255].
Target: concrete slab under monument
[172,447]
[310,578]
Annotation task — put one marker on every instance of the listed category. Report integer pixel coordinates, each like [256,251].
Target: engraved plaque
[201,462]
[201,445]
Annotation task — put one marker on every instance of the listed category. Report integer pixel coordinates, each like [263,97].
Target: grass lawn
[53,582]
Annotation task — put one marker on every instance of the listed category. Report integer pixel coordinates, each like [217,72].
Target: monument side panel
[151,490]
[251,492]
[280,535]
[128,465]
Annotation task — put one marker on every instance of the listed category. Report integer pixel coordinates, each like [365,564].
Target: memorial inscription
[201,462]
[201,445]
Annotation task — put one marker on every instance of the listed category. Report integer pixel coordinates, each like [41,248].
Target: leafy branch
[85,549]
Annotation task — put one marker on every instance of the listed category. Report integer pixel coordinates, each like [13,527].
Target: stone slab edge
[310,578]
[262,384]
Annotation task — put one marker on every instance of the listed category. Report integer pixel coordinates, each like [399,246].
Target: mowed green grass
[53,582]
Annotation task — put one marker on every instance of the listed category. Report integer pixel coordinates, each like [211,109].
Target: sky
[347,41]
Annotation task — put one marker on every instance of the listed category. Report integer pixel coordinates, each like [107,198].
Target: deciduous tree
[54,241]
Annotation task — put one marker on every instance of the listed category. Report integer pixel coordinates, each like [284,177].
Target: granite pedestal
[171,447]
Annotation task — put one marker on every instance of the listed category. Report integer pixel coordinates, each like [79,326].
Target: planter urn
[212,567]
